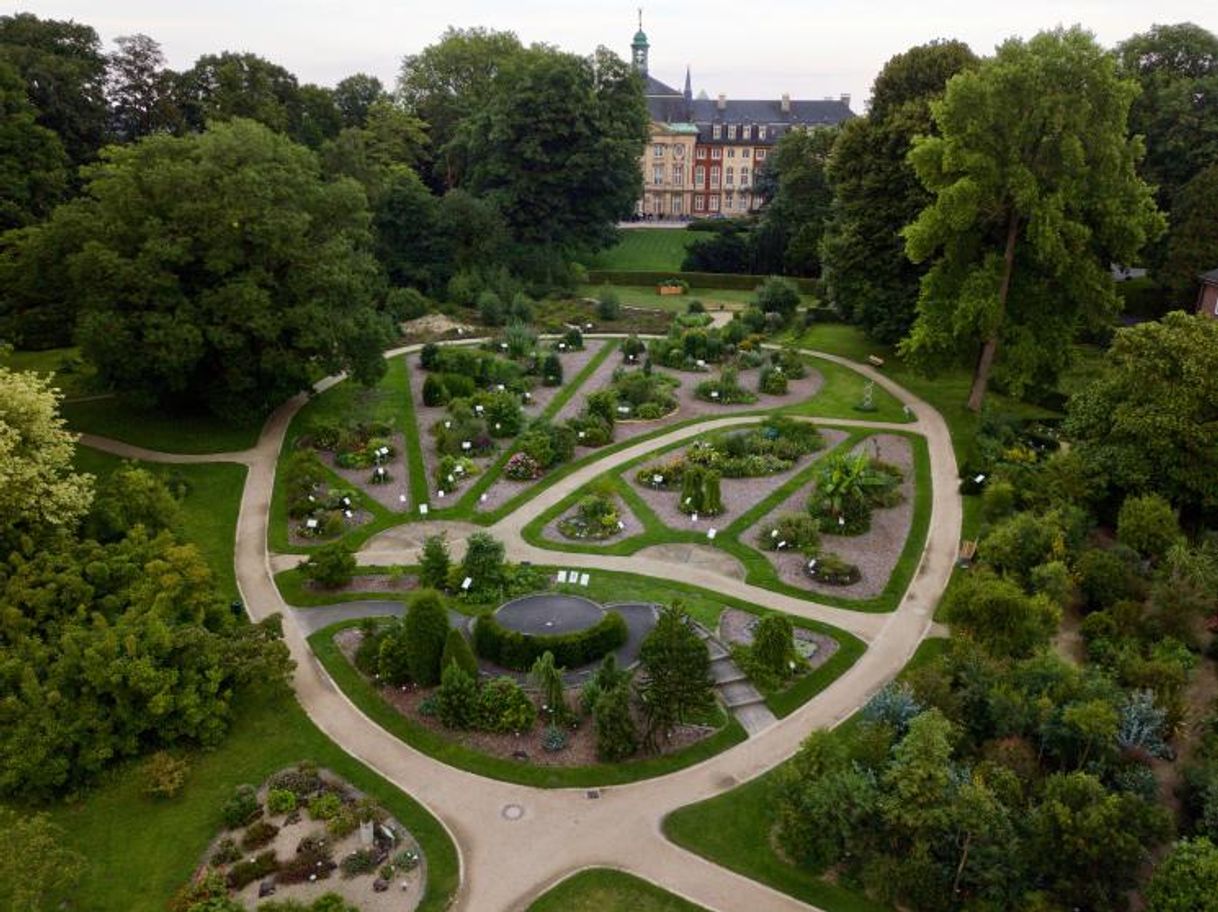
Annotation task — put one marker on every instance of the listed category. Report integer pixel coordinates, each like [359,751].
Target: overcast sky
[758,49]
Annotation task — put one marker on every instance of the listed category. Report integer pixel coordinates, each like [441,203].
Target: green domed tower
[639,46]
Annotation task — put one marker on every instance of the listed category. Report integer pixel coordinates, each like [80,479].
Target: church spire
[689,91]
[638,48]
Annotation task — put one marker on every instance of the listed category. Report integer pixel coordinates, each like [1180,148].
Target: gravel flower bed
[875,552]
[388,495]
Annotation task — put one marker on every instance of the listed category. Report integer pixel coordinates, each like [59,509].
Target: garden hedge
[518,651]
[695,280]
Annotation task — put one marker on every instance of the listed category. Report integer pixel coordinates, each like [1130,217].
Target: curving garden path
[508,859]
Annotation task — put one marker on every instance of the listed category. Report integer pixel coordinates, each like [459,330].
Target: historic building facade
[703,154]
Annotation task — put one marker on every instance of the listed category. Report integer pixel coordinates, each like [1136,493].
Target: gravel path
[875,552]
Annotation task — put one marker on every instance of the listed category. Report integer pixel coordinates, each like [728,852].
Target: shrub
[695,307]
[241,808]
[324,806]
[700,492]
[573,339]
[522,467]
[258,834]
[551,370]
[343,823]
[726,390]
[434,391]
[244,873]
[997,500]
[608,306]
[773,382]
[424,630]
[484,560]
[435,562]
[457,649]
[490,309]
[518,651]
[848,487]
[429,356]
[777,295]
[774,644]
[330,566]
[503,706]
[553,739]
[226,852]
[518,339]
[1148,524]
[633,347]
[301,781]
[280,801]
[617,736]
[793,531]
[452,471]
[164,774]
[548,444]
[833,570]
[596,517]
[361,861]
[1104,578]
[457,698]
[405,304]
[521,308]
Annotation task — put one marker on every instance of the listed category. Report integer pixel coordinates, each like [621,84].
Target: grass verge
[606,890]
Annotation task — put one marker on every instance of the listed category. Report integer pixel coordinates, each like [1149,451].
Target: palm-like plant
[847,487]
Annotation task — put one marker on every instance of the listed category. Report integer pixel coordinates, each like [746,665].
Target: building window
[744,177]
[728,178]
[746,131]
[717,131]
[761,131]
[699,175]
[714,204]
[731,153]
[678,174]
[761,155]
[657,174]
[744,153]
[717,153]
[731,131]
[701,153]
[715,176]
[699,203]
[657,150]
[678,151]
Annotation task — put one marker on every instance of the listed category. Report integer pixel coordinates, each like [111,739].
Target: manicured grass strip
[155,430]
[140,850]
[295,591]
[365,696]
[68,372]
[208,509]
[606,890]
[646,248]
[841,392]
[414,447]
[735,830]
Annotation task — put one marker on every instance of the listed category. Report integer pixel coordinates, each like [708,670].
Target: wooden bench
[968,551]
[875,360]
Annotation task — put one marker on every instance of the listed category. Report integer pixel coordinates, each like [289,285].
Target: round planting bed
[577,631]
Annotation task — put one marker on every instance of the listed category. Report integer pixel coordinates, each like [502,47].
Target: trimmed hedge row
[518,651]
[694,279]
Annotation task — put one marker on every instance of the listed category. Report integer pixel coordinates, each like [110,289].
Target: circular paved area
[506,862]
[549,614]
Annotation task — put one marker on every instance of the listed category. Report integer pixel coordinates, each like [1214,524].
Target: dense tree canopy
[1147,422]
[355,95]
[876,192]
[215,269]
[139,89]
[794,219]
[1028,211]
[223,86]
[33,166]
[557,147]
[64,72]
[1192,243]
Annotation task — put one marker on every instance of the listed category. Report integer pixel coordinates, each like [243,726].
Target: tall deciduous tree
[1177,109]
[876,192]
[997,613]
[33,166]
[214,269]
[1147,422]
[355,95]
[223,86]
[1184,881]
[38,872]
[450,81]
[1192,243]
[1035,194]
[794,219]
[39,492]
[557,147]
[64,72]
[139,89]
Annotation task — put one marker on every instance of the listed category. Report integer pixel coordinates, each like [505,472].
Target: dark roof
[1211,277]
[766,111]
[652,87]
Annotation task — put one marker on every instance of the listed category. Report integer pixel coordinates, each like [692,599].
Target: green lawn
[154,430]
[646,248]
[68,372]
[140,850]
[735,829]
[209,509]
[606,890]
[647,296]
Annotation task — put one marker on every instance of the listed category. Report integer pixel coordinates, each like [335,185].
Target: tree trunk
[985,361]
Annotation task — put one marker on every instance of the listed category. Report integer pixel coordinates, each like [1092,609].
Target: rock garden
[308,837]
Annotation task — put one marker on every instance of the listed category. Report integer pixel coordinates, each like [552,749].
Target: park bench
[875,360]
[968,551]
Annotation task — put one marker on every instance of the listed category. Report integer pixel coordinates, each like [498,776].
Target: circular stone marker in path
[549,614]
[512,812]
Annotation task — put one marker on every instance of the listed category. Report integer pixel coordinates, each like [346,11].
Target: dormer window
[717,131]
[731,131]
[761,131]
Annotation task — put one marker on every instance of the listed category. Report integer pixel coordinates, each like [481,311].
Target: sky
[755,49]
